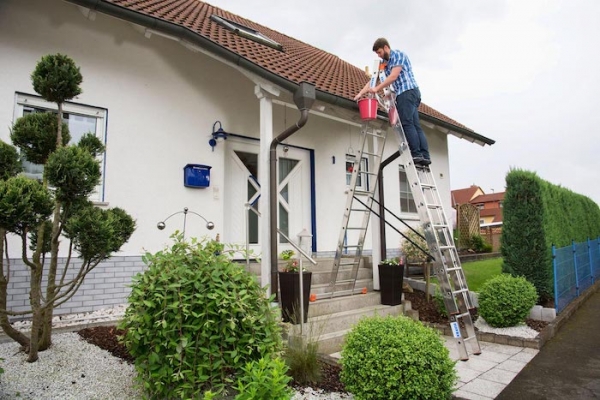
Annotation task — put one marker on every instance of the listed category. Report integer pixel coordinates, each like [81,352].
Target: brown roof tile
[487,198]
[464,196]
[297,62]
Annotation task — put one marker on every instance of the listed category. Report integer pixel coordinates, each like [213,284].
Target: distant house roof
[496,213]
[335,80]
[464,196]
[487,198]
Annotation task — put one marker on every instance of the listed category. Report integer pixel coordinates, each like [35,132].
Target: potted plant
[289,288]
[391,273]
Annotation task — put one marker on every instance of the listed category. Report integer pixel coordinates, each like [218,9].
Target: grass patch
[479,272]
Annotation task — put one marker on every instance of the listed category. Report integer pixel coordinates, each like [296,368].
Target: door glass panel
[250,161]
[284,225]
[285,167]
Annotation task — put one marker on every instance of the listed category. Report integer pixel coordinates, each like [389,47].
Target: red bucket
[367,109]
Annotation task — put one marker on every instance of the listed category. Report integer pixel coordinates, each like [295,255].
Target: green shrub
[439,302]
[479,245]
[264,379]
[303,362]
[411,252]
[396,358]
[9,161]
[195,319]
[506,300]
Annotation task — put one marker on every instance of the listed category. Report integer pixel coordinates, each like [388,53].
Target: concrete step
[330,330]
[324,287]
[339,304]
[321,276]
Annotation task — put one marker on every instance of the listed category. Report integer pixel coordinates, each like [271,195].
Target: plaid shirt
[406,79]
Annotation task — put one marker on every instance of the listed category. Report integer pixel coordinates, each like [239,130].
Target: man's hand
[366,90]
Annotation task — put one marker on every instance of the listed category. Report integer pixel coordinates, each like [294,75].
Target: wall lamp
[161,225]
[217,136]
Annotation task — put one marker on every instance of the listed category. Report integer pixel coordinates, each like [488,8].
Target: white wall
[162,101]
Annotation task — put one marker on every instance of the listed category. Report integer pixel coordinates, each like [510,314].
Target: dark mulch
[428,311]
[106,337]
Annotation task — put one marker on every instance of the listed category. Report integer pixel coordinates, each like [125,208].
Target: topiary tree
[194,319]
[74,172]
[506,300]
[396,358]
[10,165]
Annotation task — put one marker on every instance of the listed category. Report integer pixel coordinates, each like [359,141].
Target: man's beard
[386,56]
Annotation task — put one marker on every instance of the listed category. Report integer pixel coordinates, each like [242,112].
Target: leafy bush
[479,245]
[35,135]
[506,300]
[396,358]
[194,319]
[439,302]
[57,78]
[9,161]
[264,379]
[412,252]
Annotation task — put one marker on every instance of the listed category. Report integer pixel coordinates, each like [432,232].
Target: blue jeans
[407,104]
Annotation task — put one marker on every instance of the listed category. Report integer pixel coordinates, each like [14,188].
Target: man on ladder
[395,72]
[408,97]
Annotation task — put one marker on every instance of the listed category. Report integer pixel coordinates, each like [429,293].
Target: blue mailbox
[196,176]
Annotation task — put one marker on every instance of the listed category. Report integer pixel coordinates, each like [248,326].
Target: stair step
[339,304]
[325,288]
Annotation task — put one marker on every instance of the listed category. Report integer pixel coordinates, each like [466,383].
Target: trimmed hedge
[538,214]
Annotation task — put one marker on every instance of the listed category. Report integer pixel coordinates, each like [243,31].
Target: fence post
[590,255]
[556,294]
[575,264]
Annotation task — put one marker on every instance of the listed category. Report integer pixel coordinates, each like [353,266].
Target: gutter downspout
[304,97]
[384,163]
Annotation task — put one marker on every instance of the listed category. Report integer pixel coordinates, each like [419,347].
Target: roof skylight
[246,32]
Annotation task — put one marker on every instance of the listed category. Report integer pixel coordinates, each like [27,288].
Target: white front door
[242,187]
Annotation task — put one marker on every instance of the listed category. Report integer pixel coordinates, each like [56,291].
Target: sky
[523,73]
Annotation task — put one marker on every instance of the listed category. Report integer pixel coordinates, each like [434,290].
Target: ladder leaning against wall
[438,232]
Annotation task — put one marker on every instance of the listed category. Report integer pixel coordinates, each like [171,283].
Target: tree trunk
[4,323]
[36,323]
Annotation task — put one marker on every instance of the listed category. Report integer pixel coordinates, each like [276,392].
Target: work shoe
[421,161]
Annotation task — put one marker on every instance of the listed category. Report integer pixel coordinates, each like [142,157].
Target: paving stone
[511,365]
[499,375]
[484,387]
[461,394]
[523,357]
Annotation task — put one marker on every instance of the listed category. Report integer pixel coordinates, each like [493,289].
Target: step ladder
[357,212]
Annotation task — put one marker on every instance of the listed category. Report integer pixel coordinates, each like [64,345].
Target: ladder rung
[375,134]
[427,185]
[460,291]
[344,281]
[368,173]
[469,338]
[356,228]
[434,206]
[371,154]
[359,209]
[439,226]
[453,269]
[362,192]
[349,263]
[352,246]
[446,247]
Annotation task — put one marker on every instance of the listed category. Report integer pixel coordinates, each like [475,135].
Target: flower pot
[289,287]
[390,283]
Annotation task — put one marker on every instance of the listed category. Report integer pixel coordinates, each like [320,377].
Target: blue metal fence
[576,268]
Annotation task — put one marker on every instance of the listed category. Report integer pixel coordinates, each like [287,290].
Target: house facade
[160,78]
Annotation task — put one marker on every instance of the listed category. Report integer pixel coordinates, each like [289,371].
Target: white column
[266,136]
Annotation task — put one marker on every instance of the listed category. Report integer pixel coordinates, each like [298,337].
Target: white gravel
[521,331]
[75,369]
[70,369]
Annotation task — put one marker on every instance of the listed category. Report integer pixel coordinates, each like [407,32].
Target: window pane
[80,125]
[407,203]
[285,167]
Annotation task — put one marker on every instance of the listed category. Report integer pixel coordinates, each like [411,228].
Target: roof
[488,198]
[464,196]
[496,213]
[335,79]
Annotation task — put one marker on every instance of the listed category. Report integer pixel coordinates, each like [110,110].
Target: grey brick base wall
[105,286]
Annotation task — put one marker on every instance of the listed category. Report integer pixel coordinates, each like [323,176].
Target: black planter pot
[390,282]
[289,287]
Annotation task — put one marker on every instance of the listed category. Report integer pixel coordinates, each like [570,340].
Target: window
[81,119]
[360,185]
[246,32]
[407,203]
